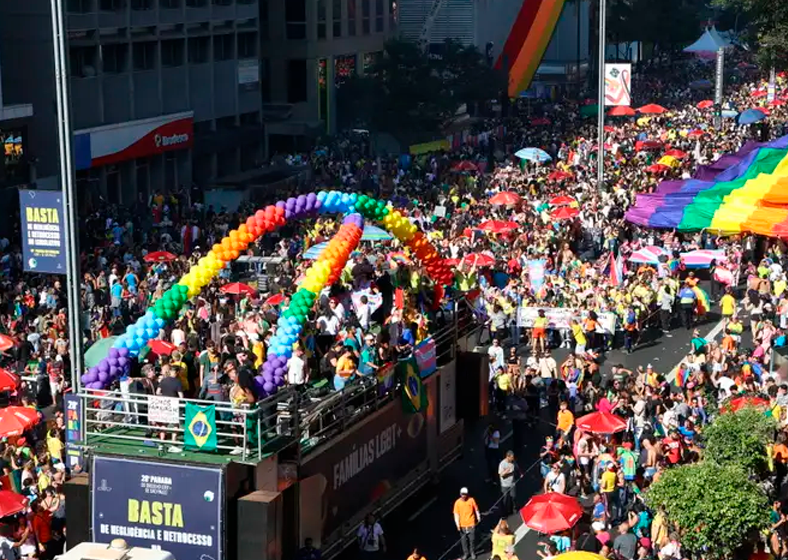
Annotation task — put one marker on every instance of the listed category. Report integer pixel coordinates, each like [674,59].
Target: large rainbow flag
[528,41]
[750,194]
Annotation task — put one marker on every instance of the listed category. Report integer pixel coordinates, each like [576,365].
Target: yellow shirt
[608,483]
[504,382]
[565,420]
[183,374]
[55,447]
[728,304]
[499,544]
[580,336]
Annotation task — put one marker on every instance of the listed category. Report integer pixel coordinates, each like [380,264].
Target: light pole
[600,172]
[69,198]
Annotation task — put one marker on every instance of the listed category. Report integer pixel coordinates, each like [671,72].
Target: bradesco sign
[359,468]
[177,508]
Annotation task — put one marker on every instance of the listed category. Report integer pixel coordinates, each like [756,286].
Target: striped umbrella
[314,251]
[374,233]
[701,258]
[649,255]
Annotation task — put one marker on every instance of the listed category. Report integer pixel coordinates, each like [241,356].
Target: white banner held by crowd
[163,410]
[618,85]
[560,317]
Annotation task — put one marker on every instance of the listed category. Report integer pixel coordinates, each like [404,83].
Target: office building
[163,92]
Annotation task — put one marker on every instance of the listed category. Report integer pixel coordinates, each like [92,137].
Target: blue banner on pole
[43,231]
[176,508]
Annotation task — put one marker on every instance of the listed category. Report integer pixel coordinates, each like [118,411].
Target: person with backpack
[631,329]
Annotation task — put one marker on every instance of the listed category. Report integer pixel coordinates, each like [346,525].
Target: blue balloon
[130,344]
[321,196]
[150,322]
[139,342]
[130,330]
[120,342]
[160,322]
[151,333]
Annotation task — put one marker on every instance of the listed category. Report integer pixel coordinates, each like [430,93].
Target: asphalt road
[426,519]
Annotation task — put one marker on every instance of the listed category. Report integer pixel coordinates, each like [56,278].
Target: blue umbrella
[750,116]
[374,233]
[314,251]
[729,114]
[533,154]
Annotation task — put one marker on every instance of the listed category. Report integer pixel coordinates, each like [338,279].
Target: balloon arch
[326,270]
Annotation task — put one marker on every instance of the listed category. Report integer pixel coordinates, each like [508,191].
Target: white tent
[708,43]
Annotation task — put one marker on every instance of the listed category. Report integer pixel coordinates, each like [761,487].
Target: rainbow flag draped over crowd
[742,192]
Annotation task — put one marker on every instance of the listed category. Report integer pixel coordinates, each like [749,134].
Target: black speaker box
[77,492]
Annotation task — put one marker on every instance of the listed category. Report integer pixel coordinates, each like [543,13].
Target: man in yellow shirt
[607,486]
[727,306]
[579,336]
[565,420]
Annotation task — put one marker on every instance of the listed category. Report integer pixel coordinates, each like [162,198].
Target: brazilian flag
[200,432]
[414,395]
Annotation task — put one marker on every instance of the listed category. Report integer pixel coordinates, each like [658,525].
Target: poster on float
[176,508]
[43,231]
[618,85]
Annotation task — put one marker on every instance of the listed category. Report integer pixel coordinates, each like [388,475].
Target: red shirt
[42,522]
[673,449]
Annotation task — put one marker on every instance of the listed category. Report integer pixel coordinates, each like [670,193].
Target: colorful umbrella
[670,161]
[6,343]
[12,503]
[777,102]
[497,226]
[14,420]
[601,423]
[314,251]
[159,257]
[533,154]
[652,109]
[748,400]
[641,145]
[564,213]
[464,165]
[562,200]
[649,255]
[697,133]
[98,351]
[237,289]
[374,233]
[750,116]
[678,154]
[275,299]
[400,257]
[559,175]
[657,168]
[551,513]
[701,258]
[161,347]
[478,259]
[622,111]
[8,381]
[705,104]
[505,199]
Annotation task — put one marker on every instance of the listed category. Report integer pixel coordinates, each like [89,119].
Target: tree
[766,28]
[740,438]
[714,507]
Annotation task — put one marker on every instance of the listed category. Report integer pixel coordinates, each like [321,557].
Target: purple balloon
[301,199]
[96,385]
[269,387]
[114,371]
[113,353]
[94,370]
[103,376]
[269,376]
[103,365]
[288,214]
[90,377]
[290,202]
[123,361]
[311,197]
[123,352]
[113,361]
[280,381]
[281,360]
[279,372]
[85,379]
[280,204]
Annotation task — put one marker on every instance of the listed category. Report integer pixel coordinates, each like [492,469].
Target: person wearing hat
[466,517]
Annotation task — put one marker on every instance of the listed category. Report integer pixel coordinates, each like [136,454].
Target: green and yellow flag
[200,432]
[414,394]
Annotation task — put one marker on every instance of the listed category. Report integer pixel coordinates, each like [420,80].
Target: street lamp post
[69,197]
[600,172]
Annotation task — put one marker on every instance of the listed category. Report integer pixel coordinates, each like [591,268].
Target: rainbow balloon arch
[326,270]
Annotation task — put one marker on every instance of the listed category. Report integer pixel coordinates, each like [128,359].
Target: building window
[336,16]
[199,50]
[82,62]
[264,20]
[196,3]
[202,128]
[141,5]
[170,4]
[111,5]
[321,19]
[172,53]
[296,81]
[144,55]
[250,119]
[114,58]
[79,6]
[366,7]
[222,2]
[351,17]
[265,83]
[393,15]
[379,16]
[225,123]
[247,45]
[223,47]
[295,16]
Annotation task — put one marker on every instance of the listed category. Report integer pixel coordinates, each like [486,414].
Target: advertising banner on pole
[177,508]
[43,234]
[618,84]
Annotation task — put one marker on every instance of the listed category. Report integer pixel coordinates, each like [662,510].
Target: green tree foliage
[766,28]
[714,507]
[739,438]
[410,94]
[670,23]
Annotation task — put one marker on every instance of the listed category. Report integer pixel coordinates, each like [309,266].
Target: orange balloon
[217,248]
[242,228]
[233,255]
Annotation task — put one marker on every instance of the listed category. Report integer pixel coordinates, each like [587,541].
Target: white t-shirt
[295,371]
[555,480]
[328,325]
[7,550]
[496,357]
[370,537]
[177,337]
[725,383]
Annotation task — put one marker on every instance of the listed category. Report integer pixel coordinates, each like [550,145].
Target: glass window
[223,47]
[196,3]
[144,55]
[366,8]
[222,2]
[141,5]
[336,16]
[172,53]
[79,6]
[379,16]
[111,5]
[170,4]
[321,19]
[296,81]
[264,20]
[351,17]
[265,82]
[82,62]
[295,18]
[114,58]
[247,45]
[199,50]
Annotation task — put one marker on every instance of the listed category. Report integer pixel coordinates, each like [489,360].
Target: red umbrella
[763,110]
[497,226]
[551,513]
[601,423]
[478,259]
[452,262]
[652,109]
[159,256]
[564,213]
[759,93]
[11,503]
[678,154]
[8,381]
[6,343]
[777,102]
[741,402]
[697,133]
[608,128]
[559,175]
[237,289]
[505,199]
[641,145]
[161,347]
[464,165]
[14,420]
[562,200]
[657,168]
[705,104]
[622,111]
[275,299]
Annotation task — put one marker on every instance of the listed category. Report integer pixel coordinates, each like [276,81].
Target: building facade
[309,47]
[163,92]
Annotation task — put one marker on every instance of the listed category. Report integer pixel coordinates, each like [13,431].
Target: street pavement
[426,519]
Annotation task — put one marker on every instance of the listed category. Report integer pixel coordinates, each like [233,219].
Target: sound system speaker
[77,493]
[472,374]
[259,526]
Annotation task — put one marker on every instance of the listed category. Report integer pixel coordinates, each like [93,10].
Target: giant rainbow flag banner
[356,208]
[528,41]
[742,192]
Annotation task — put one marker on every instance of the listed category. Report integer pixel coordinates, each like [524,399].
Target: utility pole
[600,172]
